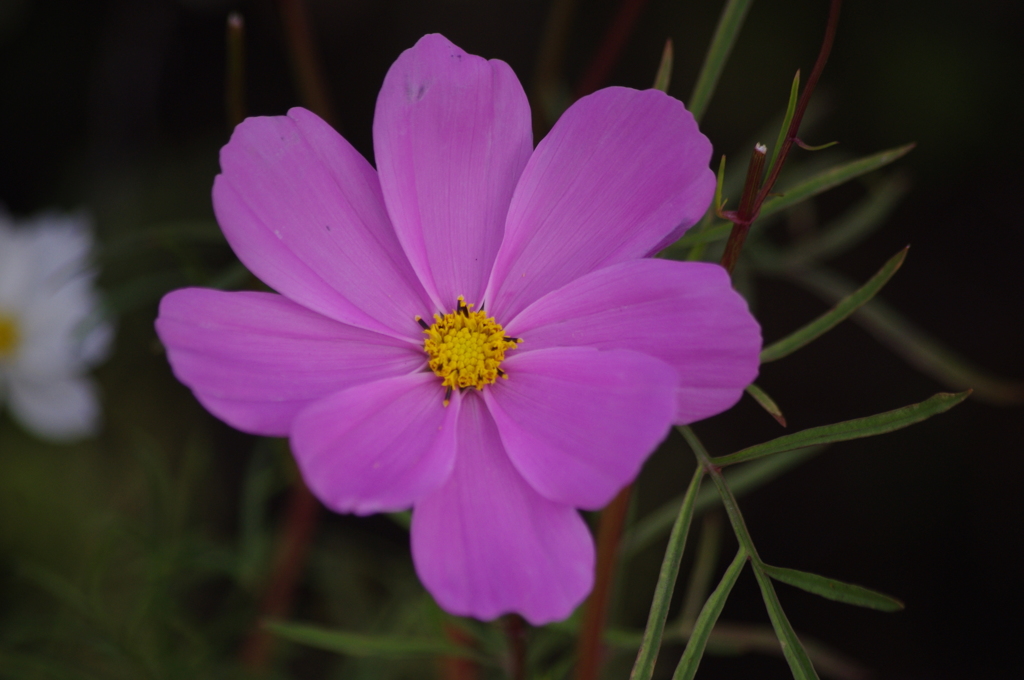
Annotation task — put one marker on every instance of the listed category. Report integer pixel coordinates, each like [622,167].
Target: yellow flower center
[465,348]
[8,335]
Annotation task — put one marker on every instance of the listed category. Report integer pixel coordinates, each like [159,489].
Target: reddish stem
[615,39]
[292,549]
[234,87]
[745,216]
[805,99]
[515,630]
[305,64]
[455,667]
[752,198]
[590,650]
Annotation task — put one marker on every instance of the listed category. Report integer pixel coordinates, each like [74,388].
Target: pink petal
[304,212]
[256,359]
[451,135]
[684,313]
[485,543]
[377,447]
[621,173]
[578,423]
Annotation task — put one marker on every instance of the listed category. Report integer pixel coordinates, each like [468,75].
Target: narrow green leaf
[766,402]
[709,614]
[834,316]
[740,480]
[719,180]
[869,426]
[729,24]
[796,656]
[833,589]
[664,75]
[814,147]
[858,222]
[794,95]
[643,668]
[831,178]
[356,644]
[716,233]
[916,347]
[732,508]
[698,585]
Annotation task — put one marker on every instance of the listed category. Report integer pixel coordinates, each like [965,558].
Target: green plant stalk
[766,402]
[729,24]
[705,622]
[643,668]
[833,177]
[740,480]
[664,75]
[699,583]
[840,234]
[830,319]
[869,426]
[355,644]
[916,347]
[834,590]
[799,663]
[787,119]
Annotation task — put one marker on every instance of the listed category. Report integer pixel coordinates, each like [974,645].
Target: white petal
[61,410]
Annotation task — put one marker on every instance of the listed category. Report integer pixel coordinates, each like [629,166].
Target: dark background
[117,106]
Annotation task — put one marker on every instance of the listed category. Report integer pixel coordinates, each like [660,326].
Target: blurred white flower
[50,330]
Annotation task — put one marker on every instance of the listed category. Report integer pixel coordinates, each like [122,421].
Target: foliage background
[135,541]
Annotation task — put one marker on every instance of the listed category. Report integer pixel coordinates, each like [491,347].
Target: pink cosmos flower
[473,329]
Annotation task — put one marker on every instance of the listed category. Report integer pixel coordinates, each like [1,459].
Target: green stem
[709,614]
[799,663]
[643,669]
[703,569]
[728,28]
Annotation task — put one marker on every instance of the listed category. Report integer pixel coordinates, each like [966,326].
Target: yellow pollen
[466,348]
[8,335]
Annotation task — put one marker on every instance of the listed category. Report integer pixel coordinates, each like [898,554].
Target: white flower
[50,332]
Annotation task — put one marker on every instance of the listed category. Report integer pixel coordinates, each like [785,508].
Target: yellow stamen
[8,335]
[466,348]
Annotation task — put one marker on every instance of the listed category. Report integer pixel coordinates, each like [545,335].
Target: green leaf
[831,178]
[719,181]
[831,318]
[698,585]
[794,95]
[709,614]
[716,233]
[664,75]
[643,669]
[357,644]
[833,589]
[740,480]
[869,426]
[729,24]
[857,223]
[796,656]
[766,402]
[814,147]
[915,346]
